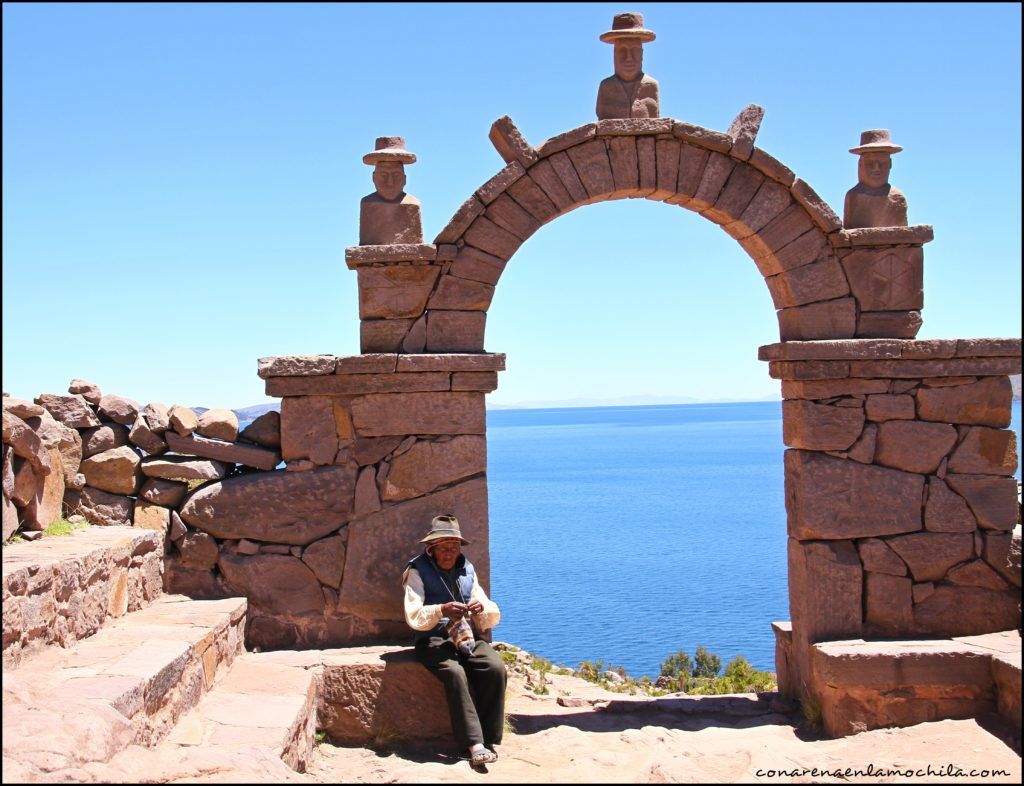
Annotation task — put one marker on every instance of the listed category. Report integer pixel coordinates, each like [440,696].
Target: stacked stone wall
[900,496]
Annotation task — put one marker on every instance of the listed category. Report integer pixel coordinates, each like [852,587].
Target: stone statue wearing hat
[443,603]
[873,202]
[629,92]
[389,215]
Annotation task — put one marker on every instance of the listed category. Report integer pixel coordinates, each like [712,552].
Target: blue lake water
[626,534]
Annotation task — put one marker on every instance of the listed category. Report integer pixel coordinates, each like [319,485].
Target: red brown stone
[490,361]
[881,407]
[863,450]
[143,436]
[485,381]
[739,191]
[985,451]
[888,603]
[625,167]
[590,160]
[488,236]
[395,290]
[966,611]
[506,213]
[743,131]
[913,446]
[182,468]
[367,498]
[955,367]
[769,202]
[692,163]
[118,409]
[383,335]
[552,146]
[356,384]
[384,414]
[812,426]
[825,589]
[455,331]
[294,366]
[888,279]
[827,388]
[508,140]
[1002,551]
[71,410]
[496,186]
[702,137]
[115,470]
[666,168]
[786,227]
[274,583]
[712,181]
[945,510]
[532,199]
[772,167]
[821,280]
[816,321]
[264,430]
[460,294]
[370,450]
[308,428]
[99,507]
[930,555]
[163,492]
[817,208]
[459,223]
[198,550]
[976,574]
[90,391]
[570,179]
[326,558]
[544,175]
[992,499]
[877,557]
[809,369]
[230,452]
[804,250]
[428,465]
[373,363]
[476,265]
[888,324]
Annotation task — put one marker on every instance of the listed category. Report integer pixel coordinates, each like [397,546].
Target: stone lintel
[399,252]
[893,368]
[488,361]
[295,366]
[702,137]
[915,235]
[892,349]
[634,126]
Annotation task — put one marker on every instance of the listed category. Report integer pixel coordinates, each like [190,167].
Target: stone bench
[374,694]
[60,590]
[866,685]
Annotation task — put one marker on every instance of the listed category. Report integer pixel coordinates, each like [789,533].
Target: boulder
[163,492]
[99,507]
[24,483]
[8,472]
[265,430]
[275,583]
[115,470]
[45,506]
[428,465]
[182,468]
[70,449]
[143,436]
[10,522]
[25,443]
[326,558]
[157,417]
[22,409]
[183,420]
[178,529]
[118,409]
[230,452]
[73,410]
[295,508]
[218,424]
[150,516]
[198,550]
[930,555]
[103,437]
[831,498]
[90,391]
[913,446]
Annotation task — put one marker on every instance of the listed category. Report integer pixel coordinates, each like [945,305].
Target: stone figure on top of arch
[873,202]
[389,215]
[629,92]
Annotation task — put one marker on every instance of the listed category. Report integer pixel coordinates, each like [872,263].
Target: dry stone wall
[900,496]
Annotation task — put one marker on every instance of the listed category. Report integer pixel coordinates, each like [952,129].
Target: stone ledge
[891,349]
[377,364]
[914,235]
[399,252]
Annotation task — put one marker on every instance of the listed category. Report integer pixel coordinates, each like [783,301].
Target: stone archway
[899,490]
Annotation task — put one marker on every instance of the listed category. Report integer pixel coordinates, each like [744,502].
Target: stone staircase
[108,679]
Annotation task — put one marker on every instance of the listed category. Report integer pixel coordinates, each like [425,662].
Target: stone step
[59,590]
[866,685]
[128,684]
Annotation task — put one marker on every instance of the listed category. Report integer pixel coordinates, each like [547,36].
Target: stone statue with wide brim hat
[873,202]
[629,93]
[389,215]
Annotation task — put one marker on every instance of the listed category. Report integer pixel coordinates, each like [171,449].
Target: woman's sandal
[482,757]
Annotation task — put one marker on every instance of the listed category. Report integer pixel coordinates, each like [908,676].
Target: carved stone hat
[629,25]
[875,141]
[390,148]
[441,527]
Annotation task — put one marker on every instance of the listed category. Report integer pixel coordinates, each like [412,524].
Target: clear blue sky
[180,181]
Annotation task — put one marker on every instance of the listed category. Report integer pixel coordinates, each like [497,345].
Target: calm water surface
[625,534]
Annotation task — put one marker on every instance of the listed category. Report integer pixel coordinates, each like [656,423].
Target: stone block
[460,222]
[308,429]
[378,415]
[356,384]
[295,508]
[955,367]
[115,470]
[383,335]
[809,370]
[1002,551]
[929,555]
[265,430]
[693,161]
[545,176]
[476,265]
[890,279]
[647,164]
[914,446]
[295,366]
[888,324]
[488,236]
[916,234]
[552,146]
[163,492]
[22,409]
[508,140]
[590,160]
[45,505]
[768,203]
[807,248]
[485,381]
[71,410]
[496,186]
[395,290]
[218,423]
[149,516]
[531,197]
[739,191]
[183,420]
[428,465]
[99,507]
[881,407]
[888,604]
[455,331]
[825,589]
[712,181]
[985,451]
[182,468]
[326,558]
[988,347]
[372,449]
[772,167]
[118,409]
[491,361]
[506,213]
[144,437]
[877,557]
[570,179]
[374,363]
[625,167]
[367,495]
[666,168]
[702,137]
[946,511]
[863,450]
[831,498]
[967,611]
[634,126]
[992,499]
[273,583]
[984,403]
[786,227]
[371,569]
[817,321]
[817,208]
[357,256]
[822,280]
[743,130]
[812,426]
[976,574]
[250,456]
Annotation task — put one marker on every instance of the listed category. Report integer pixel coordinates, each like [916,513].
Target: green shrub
[707,663]
[62,527]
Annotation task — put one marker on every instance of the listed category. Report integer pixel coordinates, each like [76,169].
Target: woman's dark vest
[436,588]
